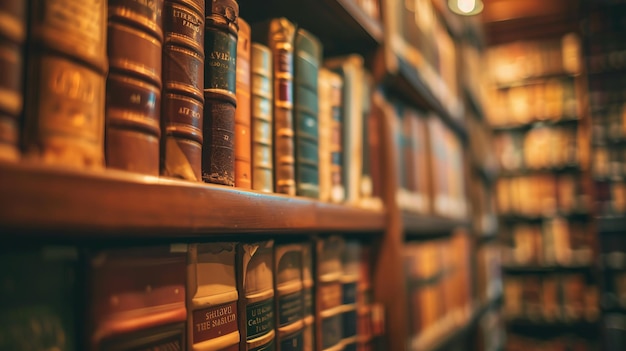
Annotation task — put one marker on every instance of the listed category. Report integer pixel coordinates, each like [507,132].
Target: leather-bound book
[349,280]
[220,47]
[133,100]
[243,139]
[307,295]
[65,82]
[364,300]
[183,84]
[351,70]
[261,112]
[325,117]
[289,297]
[366,196]
[329,316]
[337,187]
[308,53]
[256,301]
[278,34]
[212,297]
[12,38]
[136,298]
[374,123]
[39,299]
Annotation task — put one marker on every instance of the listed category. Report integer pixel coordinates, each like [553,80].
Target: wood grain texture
[37,199]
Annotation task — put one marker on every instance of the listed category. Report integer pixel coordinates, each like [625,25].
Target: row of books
[610,124]
[605,56]
[520,60]
[609,162]
[515,342]
[551,298]
[610,197]
[538,148]
[439,288]
[556,241]
[483,205]
[542,194]
[191,92]
[550,99]
[430,164]
[309,295]
[488,276]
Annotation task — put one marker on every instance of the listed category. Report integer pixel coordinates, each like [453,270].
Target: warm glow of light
[466,6]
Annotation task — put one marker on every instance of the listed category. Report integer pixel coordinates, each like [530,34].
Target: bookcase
[602,25]
[434,263]
[544,194]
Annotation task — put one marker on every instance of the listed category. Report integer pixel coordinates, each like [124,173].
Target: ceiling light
[466,7]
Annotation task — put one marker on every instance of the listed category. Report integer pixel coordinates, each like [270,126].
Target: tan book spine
[212,298]
[262,120]
[243,139]
[64,101]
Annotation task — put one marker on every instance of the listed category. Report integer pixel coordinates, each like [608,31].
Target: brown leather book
[133,103]
[329,294]
[183,82]
[289,297]
[324,133]
[137,298]
[65,83]
[220,47]
[262,133]
[278,34]
[243,139]
[337,187]
[12,38]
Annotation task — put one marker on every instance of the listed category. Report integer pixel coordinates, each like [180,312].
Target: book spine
[329,316]
[39,299]
[281,35]
[243,148]
[133,100]
[364,300]
[137,297]
[307,296]
[365,188]
[256,302]
[220,47]
[349,282]
[375,146]
[307,61]
[353,126]
[336,140]
[183,84]
[212,297]
[261,111]
[289,297]
[65,83]
[12,38]
[324,133]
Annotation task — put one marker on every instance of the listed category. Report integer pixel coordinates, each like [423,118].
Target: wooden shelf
[573,215]
[545,269]
[120,204]
[538,79]
[418,226]
[341,25]
[523,127]
[567,168]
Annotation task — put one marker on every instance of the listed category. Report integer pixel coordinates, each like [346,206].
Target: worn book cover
[262,119]
[289,297]
[243,139]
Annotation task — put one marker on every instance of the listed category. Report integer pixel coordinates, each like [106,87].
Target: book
[325,117]
[136,298]
[367,198]
[12,39]
[220,101]
[364,300]
[212,297]
[133,95]
[308,283]
[39,299]
[243,139]
[256,301]
[65,83]
[329,294]
[307,57]
[350,276]
[351,69]
[278,34]
[183,84]
[289,297]
[337,184]
[262,119]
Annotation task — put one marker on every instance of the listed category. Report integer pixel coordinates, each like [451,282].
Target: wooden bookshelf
[111,203]
[418,226]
